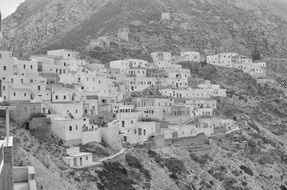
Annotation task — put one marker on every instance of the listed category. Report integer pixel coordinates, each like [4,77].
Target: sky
[8,7]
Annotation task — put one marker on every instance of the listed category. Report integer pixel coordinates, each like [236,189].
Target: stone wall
[91,136]
[23,110]
[198,139]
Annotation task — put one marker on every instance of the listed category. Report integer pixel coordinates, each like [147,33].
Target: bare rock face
[36,22]
[224,25]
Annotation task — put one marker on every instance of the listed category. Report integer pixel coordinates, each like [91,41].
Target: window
[31,66]
[56,97]
[24,66]
[25,94]
[76,127]
[25,109]
[132,122]
[4,68]
[0,55]
[70,128]
[39,87]
[12,80]
[123,123]
[14,93]
[4,88]
[87,158]
[144,132]
[64,97]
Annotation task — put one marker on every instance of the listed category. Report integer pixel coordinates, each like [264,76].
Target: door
[75,162]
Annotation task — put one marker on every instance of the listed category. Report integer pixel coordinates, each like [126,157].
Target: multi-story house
[67,112]
[25,67]
[214,89]
[255,69]
[223,59]
[201,107]
[141,83]
[6,64]
[186,93]
[156,108]
[161,59]
[137,72]
[122,65]
[51,64]
[190,56]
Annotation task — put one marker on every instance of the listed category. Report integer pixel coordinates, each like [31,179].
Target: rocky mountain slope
[225,25]
[252,158]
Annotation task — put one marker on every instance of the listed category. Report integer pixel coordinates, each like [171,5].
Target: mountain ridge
[223,25]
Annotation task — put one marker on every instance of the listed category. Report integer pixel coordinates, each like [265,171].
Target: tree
[256,55]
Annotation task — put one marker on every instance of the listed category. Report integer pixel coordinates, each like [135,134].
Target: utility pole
[7,109]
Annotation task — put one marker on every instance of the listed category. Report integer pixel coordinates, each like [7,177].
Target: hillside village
[122,104]
[91,102]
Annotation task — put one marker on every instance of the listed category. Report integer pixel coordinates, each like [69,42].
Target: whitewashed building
[223,59]
[190,56]
[77,159]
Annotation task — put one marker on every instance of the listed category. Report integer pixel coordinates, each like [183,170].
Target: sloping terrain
[224,25]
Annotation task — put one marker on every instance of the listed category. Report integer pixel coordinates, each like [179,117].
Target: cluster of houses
[233,60]
[91,102]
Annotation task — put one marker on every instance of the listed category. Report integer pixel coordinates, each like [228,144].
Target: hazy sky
[8,7]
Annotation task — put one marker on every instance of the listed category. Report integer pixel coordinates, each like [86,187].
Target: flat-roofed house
[77,159]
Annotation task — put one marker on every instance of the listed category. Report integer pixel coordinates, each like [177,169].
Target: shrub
[132,161]
[247,170]
[244,183]
[236,173]
[173,176]
[203,159]
[219,176]
[36,115]
[228,183]
[174,165]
